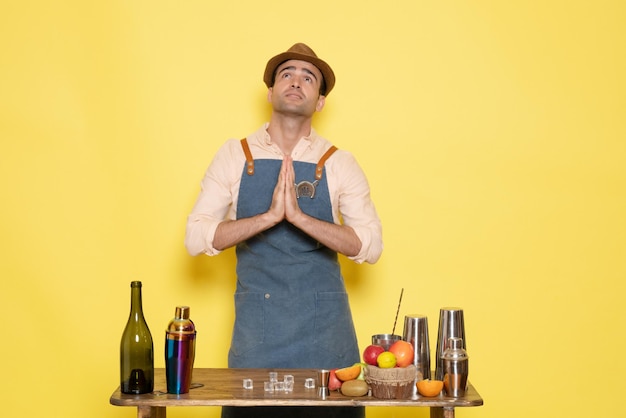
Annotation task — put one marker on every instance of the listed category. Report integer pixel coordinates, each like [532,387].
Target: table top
[224,387]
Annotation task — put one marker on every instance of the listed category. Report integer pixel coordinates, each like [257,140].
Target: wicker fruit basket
[393,383]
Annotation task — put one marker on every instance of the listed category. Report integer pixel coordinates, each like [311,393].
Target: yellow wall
[492,132]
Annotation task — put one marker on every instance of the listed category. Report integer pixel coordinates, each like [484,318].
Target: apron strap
[249,159]
[320,164]
[319,169]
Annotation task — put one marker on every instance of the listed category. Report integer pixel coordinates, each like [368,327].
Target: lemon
[386,360]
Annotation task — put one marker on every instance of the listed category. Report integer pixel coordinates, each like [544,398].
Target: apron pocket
[248,329]
[334,329]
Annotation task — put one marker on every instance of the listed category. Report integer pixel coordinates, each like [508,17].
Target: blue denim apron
[291,306]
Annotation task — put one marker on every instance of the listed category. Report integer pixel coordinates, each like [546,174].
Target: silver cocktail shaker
[455,368]
[451,324]
[416,332]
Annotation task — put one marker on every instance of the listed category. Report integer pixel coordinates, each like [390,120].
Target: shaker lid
[455,349]
[181,324]
[182,312]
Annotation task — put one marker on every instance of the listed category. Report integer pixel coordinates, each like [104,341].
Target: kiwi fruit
[354,388]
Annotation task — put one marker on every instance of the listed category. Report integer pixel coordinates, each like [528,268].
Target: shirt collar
[267,139]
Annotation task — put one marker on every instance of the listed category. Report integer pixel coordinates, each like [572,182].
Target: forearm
[339,238]
[230,233]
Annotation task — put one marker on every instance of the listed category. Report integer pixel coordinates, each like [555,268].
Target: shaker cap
[181,324]
[455,349]
[182,312]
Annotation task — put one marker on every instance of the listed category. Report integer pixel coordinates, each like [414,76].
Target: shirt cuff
[371,250]
[199,237]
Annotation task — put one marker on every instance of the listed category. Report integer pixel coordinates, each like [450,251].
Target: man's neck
[286,131]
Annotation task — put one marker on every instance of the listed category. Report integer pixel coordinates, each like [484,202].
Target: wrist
[300,220]
[268,220]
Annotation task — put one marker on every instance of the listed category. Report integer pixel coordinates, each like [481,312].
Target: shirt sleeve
[352,204]
[217,200]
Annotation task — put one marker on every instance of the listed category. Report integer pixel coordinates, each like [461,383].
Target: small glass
[268,386]
[385,340]
[247,384]
[309,383]
[273,377]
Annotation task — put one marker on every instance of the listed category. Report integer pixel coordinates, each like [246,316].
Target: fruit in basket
[361,375]
[386,360]
[349,373]
[333,382]
[429,388]
[371,353]
[403,350]
[354,388]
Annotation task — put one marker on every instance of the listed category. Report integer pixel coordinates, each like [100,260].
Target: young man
[290,202]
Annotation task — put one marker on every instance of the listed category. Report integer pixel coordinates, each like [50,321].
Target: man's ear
[320,103]
[269,94]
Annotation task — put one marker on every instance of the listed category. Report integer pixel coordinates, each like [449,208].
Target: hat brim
[272,64]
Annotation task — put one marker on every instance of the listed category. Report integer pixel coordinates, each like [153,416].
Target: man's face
[296,89]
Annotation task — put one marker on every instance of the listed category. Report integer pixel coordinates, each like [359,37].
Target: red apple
[370,354]
[403,350]
[333,382]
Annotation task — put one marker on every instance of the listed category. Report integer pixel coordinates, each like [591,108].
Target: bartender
[290,202]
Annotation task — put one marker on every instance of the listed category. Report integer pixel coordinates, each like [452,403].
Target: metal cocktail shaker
[455,368]
[451,324]
[180,351]
[416,333]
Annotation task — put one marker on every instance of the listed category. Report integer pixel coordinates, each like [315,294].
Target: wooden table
[224,387]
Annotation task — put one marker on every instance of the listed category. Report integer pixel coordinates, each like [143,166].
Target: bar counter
[224,387]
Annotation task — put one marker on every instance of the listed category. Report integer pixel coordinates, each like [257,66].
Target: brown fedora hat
[300,52]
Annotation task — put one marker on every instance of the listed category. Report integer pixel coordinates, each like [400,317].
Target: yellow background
[492,132]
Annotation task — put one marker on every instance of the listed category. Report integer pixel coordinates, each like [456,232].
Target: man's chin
[295,111]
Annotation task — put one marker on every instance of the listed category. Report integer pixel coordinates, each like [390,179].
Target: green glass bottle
[136,349]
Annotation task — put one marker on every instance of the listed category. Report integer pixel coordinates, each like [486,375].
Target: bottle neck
[136,308]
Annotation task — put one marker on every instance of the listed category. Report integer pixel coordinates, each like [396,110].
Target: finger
[289,172]
[277,205]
